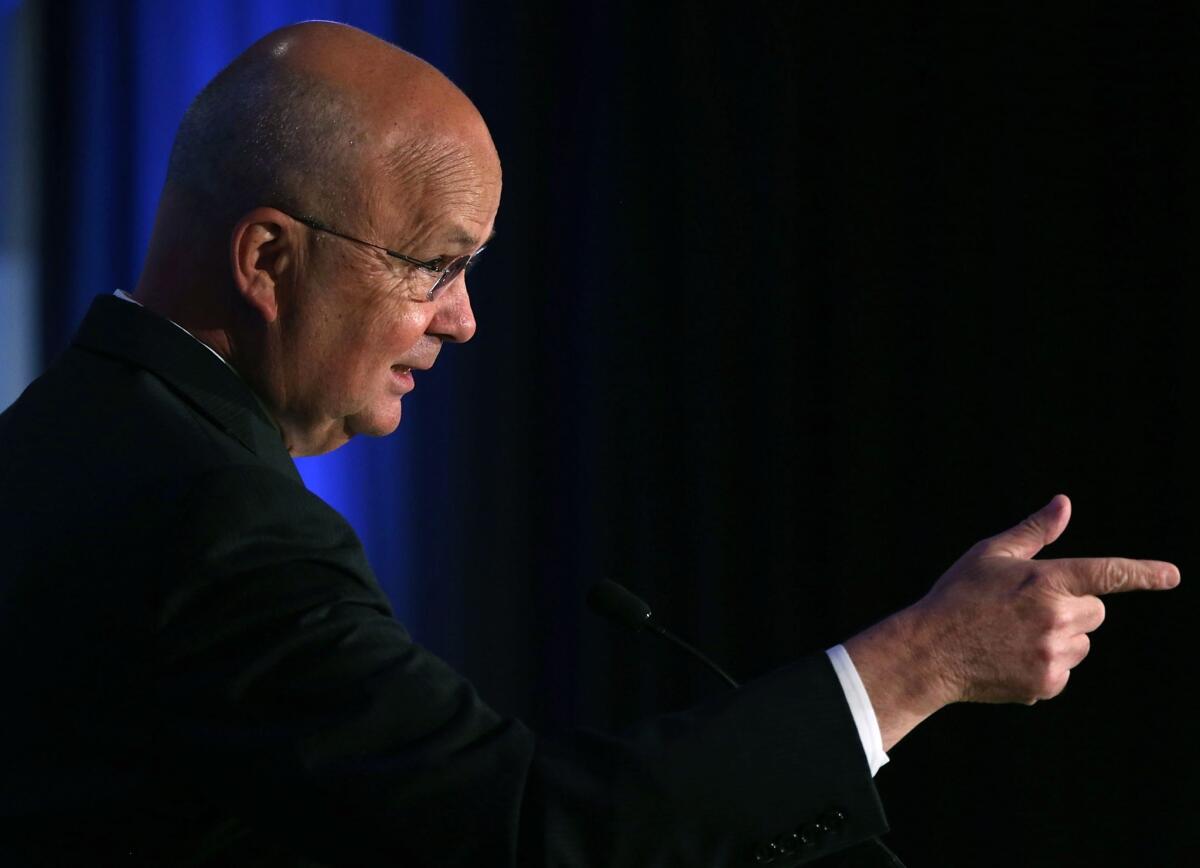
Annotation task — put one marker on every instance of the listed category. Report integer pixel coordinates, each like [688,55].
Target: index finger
[1081,576]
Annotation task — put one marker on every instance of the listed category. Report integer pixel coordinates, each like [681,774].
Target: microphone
[620,605]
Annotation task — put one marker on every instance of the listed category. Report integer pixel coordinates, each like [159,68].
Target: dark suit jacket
[199,668]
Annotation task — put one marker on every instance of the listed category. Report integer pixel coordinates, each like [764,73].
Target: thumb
[1027,538]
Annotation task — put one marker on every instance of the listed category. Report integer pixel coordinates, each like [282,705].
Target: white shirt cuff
[860,708]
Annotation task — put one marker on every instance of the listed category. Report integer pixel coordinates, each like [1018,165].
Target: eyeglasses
[446,268]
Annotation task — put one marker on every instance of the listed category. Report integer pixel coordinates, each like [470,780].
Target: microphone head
[614,602]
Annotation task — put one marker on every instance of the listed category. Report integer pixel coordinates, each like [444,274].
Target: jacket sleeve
[289,695]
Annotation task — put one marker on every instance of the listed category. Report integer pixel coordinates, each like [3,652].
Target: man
[200,668]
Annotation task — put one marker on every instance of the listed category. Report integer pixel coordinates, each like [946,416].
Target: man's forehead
[451,230]
[441,193]
[439,218]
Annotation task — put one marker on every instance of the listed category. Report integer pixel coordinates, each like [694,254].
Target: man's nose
[455,321]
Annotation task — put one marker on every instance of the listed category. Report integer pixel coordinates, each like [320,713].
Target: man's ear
[262,253]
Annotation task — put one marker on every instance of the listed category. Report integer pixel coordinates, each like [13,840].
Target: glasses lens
[452,270]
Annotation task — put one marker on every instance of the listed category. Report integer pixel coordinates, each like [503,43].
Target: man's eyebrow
[465,239]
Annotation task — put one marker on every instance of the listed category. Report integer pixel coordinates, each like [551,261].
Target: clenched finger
[1088,613]
[1076,650]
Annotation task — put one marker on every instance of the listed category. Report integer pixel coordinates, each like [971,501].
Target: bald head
[312,118]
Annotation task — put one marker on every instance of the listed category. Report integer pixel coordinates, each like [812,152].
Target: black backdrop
[788,307]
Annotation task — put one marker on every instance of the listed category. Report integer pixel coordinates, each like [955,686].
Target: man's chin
[376,422]
[331,436]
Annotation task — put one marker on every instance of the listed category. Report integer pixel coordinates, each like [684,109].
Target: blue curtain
[19,94]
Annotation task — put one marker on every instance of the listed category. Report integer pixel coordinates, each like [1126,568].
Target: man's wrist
[900,673]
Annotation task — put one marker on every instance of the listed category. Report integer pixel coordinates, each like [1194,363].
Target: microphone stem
[690,649]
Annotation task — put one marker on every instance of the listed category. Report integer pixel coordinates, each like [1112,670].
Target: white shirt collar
[124,296]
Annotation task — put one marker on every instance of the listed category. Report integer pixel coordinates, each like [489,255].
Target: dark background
[789,305]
